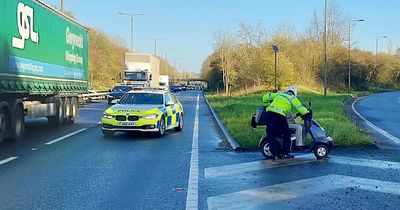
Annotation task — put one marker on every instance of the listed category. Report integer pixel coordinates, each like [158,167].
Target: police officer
[277,125]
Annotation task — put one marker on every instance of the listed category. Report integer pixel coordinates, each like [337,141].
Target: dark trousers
[277,126]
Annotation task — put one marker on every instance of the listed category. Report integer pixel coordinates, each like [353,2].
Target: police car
[145,110]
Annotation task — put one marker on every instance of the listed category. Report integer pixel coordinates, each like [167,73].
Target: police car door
[178,109]
[171,111]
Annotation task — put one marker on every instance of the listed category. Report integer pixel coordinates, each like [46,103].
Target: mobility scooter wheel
[321,151]
[266,150]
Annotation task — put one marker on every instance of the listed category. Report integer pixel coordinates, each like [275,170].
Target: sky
[188,26]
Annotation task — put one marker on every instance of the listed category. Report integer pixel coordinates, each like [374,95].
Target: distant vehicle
[184,87]
[117,92]
[146,111]
[142,70]
[175,88]
[164,82]
[43,65]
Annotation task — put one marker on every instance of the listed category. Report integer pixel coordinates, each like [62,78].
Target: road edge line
[376,128]
[235,146]
[66,136]
[192,197]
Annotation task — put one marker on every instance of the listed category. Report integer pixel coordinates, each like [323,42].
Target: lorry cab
[141,70]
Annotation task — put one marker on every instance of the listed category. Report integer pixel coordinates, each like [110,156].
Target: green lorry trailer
[43,65]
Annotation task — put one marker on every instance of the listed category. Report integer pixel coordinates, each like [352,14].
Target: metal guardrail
[90,97]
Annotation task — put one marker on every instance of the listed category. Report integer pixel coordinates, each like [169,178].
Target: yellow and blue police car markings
[171,113]
[163,110]
[177,118]
[165,113]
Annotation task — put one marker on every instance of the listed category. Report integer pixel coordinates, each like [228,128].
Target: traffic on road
[84,169]
[89,120]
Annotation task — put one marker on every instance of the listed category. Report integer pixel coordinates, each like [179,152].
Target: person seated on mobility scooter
[281,103]
[297,132]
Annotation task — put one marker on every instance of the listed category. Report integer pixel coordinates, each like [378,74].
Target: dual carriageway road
[75,167]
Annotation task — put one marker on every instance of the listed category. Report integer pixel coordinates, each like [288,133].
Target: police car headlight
[151,116]
[107,116]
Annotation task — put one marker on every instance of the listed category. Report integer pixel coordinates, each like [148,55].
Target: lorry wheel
[18,127]
[57,119]
[67,109]
[3,124]
[321,151]
[74,110]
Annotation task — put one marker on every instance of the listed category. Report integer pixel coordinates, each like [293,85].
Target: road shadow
[138,136]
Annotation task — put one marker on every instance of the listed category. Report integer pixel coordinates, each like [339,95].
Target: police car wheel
[265,150]
[161,130]
[181,122]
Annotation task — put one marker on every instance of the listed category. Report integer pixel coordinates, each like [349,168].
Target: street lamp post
[376,51]
[166,60]
[276,50]
[175,66]
[326,47]
[132,25]
[360,20]
[155,43]
[180,69]
[62,6]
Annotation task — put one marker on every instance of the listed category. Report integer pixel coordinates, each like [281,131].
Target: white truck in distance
[164,82]
[142,70]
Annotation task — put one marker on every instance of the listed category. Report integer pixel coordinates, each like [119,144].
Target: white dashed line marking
[66,136]
[7,160]
[192,199]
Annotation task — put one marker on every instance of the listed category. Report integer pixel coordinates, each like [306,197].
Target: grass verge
[236,112]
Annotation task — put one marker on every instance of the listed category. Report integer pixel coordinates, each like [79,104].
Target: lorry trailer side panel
[51,57]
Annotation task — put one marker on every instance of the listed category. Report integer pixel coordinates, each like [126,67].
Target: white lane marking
[7,160]
[379,164]
[243,168]
[370,124]
[250,199]
[256,165]
[66,136]
[192,199]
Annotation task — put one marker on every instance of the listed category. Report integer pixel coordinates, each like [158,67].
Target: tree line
[244,60]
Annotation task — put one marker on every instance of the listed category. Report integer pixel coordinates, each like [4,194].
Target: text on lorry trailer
[25,26]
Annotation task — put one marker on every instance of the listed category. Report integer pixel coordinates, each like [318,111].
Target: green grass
[236,112]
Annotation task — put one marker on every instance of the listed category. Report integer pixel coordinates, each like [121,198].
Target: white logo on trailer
[25,26]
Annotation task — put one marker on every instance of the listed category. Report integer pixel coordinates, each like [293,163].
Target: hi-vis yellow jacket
[282,103]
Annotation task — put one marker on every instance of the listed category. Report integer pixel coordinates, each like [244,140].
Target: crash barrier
[92,97]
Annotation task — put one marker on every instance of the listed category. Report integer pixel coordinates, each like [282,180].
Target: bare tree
[225,46]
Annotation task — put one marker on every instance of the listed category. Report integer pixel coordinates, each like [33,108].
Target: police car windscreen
[142,98]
